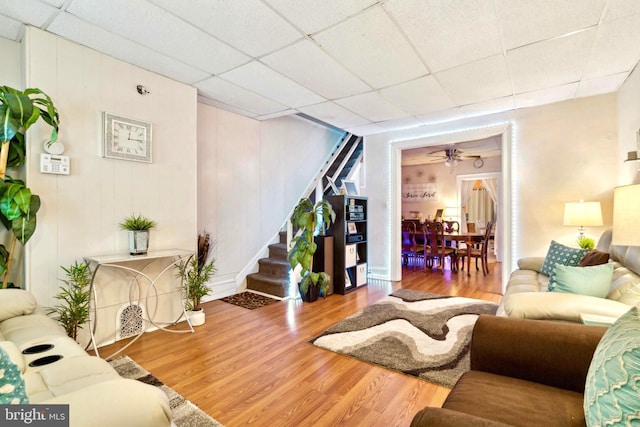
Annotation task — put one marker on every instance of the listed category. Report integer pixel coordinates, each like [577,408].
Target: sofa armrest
[531,263]
[446,417]
[552,353]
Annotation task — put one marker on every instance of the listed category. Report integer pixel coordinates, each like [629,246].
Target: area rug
[185,413]
[420,334]
[249,300]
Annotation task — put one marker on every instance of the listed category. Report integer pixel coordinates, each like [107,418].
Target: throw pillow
[561,254]
[594,257]
[12,391]
[611,391]
[594,280]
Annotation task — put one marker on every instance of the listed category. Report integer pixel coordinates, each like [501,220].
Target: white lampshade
[626,214]
[450,212]
[582,214]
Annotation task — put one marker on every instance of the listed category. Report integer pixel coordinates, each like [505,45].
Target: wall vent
[129,321]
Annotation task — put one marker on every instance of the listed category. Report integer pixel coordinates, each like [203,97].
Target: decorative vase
[196,317]
[138,242]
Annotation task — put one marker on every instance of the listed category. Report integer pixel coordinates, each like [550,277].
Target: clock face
[478,163]
[127,139]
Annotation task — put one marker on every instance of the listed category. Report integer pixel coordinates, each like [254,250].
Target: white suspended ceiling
[361,65]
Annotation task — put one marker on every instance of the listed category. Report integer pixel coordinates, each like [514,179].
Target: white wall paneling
[80,212]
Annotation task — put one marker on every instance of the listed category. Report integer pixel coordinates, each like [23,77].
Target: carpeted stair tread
[278,251]
[268,284]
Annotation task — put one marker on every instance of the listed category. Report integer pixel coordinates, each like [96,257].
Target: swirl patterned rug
[420,334]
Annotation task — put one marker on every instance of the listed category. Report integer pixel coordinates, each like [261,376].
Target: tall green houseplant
[18,206]
[307,218]
[73,310]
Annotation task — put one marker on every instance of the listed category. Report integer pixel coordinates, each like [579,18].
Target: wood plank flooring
[256,367]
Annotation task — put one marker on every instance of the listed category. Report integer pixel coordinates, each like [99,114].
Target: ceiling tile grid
[370,65]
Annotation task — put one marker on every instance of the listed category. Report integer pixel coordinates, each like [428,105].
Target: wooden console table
[170,258]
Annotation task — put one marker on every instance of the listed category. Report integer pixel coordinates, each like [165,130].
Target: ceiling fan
[452,156]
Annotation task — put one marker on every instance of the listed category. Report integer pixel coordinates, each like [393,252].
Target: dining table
[469,239]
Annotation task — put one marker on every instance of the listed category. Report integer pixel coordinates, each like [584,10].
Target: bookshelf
[349,233]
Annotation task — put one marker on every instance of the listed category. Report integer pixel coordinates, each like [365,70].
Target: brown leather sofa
[523,373]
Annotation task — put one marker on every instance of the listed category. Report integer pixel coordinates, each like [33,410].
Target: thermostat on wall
[54,164]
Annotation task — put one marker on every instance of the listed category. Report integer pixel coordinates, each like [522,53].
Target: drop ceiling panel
[230,94]
[621,8]
[550,63]
[448,33]
[546,96]
[476,82]
[248,25]
[30,11]
[600,85]
[372,47]
[441,116]
[312,15]
[56,3]
[369,129]
[335,115]
[372,107]
[616,48]
[528,21]
[10,28]
[489,107]
[72,28]
[304,62]
[419,96]
[261,79]
[152,27]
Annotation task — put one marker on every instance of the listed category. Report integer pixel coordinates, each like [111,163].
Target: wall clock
[478,163]
[126,139]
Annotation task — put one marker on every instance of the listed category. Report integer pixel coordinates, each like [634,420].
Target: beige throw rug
[185,413]
[420,334]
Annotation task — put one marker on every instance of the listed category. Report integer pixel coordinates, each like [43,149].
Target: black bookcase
[349,233]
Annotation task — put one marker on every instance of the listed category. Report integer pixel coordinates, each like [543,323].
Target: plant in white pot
[194,275]
[73,310]
[138,228]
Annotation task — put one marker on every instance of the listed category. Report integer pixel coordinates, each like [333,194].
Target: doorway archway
[506,226]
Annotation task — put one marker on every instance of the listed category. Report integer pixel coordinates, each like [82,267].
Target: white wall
[560,152]
[445,177]
[628,127]
[80,213]
[250,176]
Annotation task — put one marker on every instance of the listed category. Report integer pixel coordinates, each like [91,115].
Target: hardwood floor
[256,367]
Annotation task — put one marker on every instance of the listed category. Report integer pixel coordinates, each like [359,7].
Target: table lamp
[451,212]
[581,214]
[626,212]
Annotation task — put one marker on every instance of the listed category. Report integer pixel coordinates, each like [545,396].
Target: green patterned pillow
[611,395]
[561,254]
[12,389]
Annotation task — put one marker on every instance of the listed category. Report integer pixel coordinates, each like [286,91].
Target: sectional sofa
[41,365]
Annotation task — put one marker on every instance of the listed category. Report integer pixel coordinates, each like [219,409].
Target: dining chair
[471,227]
[451,226]
[410,249]
[481,251]
[436,248]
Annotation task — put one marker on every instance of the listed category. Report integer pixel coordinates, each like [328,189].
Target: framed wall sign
[426,192]
[126,139]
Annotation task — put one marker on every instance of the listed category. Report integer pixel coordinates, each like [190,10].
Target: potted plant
[308,218]
[587,243]
[138,228]
[18,206]
[73,311]
[194,275]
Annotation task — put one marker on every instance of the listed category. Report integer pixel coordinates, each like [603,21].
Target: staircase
[273,272]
